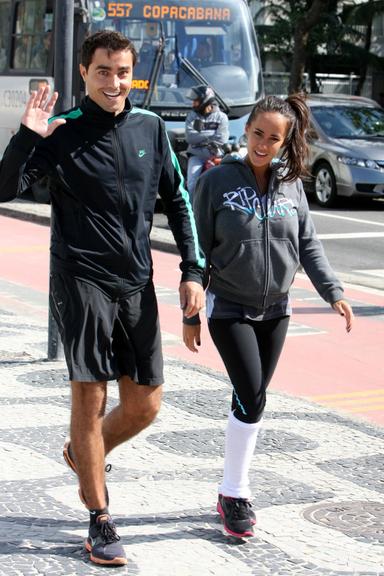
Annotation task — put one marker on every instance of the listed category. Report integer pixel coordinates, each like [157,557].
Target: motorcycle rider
[206,131]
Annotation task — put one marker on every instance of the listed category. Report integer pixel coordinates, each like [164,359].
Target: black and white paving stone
[317,479]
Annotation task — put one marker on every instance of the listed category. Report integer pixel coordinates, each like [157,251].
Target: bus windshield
[182,44]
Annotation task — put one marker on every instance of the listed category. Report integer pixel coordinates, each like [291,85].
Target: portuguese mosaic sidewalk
[317,477]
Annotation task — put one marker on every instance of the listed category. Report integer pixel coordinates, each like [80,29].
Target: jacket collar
[96,114]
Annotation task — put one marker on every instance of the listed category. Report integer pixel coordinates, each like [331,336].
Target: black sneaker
[237,515]
[103,543]
[67,454]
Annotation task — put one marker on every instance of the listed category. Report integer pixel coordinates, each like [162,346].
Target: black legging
[250,351]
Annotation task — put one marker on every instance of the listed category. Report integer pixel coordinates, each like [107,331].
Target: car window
[349,121]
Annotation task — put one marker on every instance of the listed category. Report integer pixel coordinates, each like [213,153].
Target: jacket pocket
[245,271]
[284,262]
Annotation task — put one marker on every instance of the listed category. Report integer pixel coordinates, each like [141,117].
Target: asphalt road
[353,238]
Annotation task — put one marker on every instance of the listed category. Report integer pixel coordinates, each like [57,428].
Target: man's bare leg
[138,407]
[87,444]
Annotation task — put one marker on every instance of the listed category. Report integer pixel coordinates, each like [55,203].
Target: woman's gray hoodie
[254,248]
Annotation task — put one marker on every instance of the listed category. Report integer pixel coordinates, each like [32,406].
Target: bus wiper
[155,72]
[189,67]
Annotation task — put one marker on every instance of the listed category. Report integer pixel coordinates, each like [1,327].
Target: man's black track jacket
[106,172]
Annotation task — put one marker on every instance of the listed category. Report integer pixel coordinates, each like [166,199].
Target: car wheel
[325,185]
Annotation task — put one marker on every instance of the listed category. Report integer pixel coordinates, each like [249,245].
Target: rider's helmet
[204,95]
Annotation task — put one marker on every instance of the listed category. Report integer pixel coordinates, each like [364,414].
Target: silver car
[346,141]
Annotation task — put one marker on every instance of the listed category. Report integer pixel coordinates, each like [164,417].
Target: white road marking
[348,235]
[350,219]
[378,272]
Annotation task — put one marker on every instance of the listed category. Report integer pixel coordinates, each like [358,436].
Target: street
[353,237]
[320,361]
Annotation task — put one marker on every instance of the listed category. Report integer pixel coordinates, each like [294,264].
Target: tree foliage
[362,15]
[303,30]
[301,34]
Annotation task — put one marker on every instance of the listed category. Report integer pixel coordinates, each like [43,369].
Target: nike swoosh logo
[142,153]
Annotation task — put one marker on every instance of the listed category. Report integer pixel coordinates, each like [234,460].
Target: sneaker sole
[72,466]
[118,561]
[70,463]
[246,534]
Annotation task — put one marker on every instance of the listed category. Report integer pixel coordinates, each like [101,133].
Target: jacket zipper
[120,186]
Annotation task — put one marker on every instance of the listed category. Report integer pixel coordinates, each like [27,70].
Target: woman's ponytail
[296,147]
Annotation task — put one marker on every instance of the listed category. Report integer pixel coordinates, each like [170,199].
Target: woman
[255,228]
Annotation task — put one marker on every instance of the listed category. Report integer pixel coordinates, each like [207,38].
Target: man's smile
[110,95]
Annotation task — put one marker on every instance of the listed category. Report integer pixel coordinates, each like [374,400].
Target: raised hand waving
[39,110]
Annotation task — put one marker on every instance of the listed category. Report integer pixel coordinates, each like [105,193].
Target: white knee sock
[240,442]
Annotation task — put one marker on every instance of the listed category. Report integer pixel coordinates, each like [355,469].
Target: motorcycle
[219,152]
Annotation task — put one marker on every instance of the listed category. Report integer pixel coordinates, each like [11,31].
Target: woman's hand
[39,110]
[344,309]
[191,336]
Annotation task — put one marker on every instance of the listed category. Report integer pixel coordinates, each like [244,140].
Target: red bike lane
[320,360]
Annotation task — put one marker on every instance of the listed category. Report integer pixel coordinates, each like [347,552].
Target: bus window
[5,11]
[32,35]
[41,53]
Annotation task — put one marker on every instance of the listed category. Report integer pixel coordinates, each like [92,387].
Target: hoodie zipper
[264,214]
[267,245]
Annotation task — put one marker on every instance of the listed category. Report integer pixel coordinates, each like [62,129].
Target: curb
[161,238]
[26,216]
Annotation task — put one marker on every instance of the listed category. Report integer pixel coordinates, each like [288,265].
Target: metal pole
[63,62]
[64,18]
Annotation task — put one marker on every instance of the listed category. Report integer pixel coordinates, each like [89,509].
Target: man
[107,162]
[41,52]
[203,54]
[206,130]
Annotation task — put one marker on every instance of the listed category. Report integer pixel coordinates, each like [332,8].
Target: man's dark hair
[109,40]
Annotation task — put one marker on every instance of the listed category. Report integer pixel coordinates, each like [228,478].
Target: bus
[180,43]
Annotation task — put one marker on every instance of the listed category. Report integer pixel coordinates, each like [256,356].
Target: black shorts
[105,334]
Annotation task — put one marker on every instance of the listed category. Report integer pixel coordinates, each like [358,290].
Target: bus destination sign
[169,11]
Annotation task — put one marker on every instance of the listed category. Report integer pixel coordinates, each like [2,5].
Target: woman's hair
[110,40]
[295,148]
